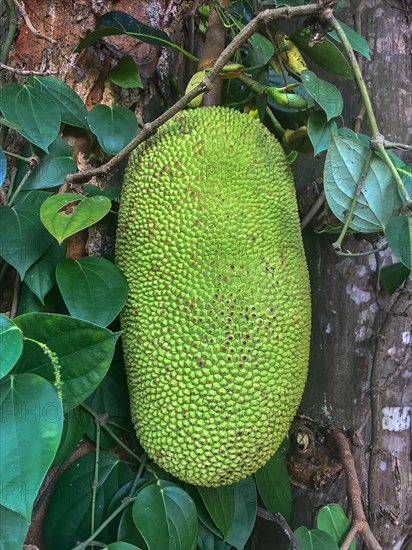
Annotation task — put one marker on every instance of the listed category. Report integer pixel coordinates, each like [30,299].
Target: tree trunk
[360,369]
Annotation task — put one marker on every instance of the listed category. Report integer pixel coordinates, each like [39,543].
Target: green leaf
[244,516]
[9,124]
[85,285]
[109,192]
[262,49]
[122,546]
[314,539]
[176,524]
[324,53]
[356,40]
[23,238]
[378,200]
[38,117]
[220,503]
[40,277]
[118,22]
[31,425]
[84,350]
[392,276]
[127,530]
[114,127]
[71,435]
[324,93]
[69,511]
[319,131]
[398,233]
[72,108]
[116,501]
[11,344]
[3,166]
[67,213]
[13,529]
[126,74]
[274,486]
[207,540]
[332,519]
[53,168]
[361,138]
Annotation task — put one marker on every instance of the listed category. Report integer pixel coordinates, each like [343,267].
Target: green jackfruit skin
[217,323]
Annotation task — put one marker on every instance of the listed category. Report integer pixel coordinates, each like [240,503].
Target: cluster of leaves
[61,373]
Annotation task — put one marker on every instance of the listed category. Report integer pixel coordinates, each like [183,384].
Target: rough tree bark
[361,354]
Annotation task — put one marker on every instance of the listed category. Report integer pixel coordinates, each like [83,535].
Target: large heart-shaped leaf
[23,238]
[85,285]
[67,213]
[11,344]
[31,425]
[37,116]
[114,127]
[161,503]
[72,108]
[84,352]
[379,198]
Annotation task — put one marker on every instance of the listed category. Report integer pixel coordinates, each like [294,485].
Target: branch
[22,9]
[359,522]
[148,129]
[280,520]
[25,72]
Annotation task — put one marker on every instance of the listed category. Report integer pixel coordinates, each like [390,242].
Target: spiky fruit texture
[216,326]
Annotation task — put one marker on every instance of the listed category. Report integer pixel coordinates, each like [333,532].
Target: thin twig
[313,210]
[359,522]
[25,72]
[95,483]
[400,146]
[150,128]
[22,9]
[280,520]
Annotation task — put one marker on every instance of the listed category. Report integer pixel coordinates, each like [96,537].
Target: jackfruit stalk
[216,327]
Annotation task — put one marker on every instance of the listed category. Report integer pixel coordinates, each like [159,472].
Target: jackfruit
[216,327]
